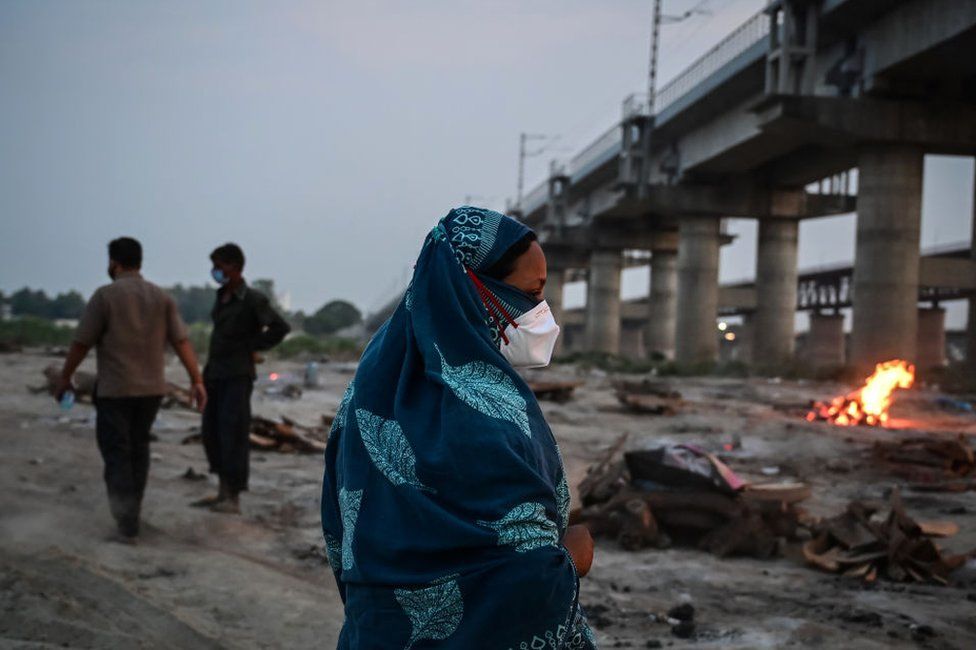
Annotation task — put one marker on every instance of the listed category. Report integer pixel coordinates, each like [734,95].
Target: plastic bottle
[311,375]
[67,400]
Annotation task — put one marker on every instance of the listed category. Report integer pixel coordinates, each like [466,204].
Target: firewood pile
[554,391]
[286,436]
[84,383]
[647,387]
[873,540]
[932,463]
[648,397]
[682,494]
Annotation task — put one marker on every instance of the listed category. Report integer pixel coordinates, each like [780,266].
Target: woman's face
[529,273]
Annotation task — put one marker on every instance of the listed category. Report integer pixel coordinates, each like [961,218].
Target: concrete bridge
[770,124]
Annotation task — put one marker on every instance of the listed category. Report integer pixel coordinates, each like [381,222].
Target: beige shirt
[130,322]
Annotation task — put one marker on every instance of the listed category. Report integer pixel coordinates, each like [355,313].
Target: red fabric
[488,297]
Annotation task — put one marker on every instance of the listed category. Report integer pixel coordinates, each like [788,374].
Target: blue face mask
[218,276]
[516,300]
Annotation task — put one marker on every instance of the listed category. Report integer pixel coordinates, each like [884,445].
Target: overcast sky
[324,137]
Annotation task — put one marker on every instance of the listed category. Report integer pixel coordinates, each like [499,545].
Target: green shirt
[245,324]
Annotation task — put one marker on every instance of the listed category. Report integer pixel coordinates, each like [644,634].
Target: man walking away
[130,321]
[244,323]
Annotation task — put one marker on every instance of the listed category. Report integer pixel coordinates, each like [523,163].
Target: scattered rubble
[192,475]
[682,620]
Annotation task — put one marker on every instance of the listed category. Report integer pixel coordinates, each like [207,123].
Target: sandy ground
[204,580]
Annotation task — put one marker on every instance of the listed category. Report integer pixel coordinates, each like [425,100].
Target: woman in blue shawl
[445,505]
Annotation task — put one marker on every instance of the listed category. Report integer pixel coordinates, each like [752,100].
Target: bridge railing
[597,149]
[608,144]
[535,198]
[744,37]
[636,104]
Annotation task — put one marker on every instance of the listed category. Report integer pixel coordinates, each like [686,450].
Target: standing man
[244,323]
[130,321]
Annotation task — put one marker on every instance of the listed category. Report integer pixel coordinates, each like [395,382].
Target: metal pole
[523,154]
[652,74]
[521,170]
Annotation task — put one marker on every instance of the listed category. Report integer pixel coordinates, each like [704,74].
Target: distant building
[284,300]
[356,332]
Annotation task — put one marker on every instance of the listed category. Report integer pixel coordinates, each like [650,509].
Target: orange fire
[870,404]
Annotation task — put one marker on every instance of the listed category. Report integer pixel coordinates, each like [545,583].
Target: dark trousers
[122,428]
[226,427]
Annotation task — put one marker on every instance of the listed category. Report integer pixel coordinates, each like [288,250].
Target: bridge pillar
[971,323]
[776,277]
[698,252]
[825,341]
[889,205]
[555,283]
[931,338]
[663,304]
[631,341]
[603,301]
[744,343]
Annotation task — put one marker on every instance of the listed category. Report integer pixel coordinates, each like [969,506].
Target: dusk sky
[325,137]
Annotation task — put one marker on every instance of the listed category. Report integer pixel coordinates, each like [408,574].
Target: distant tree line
[194,302]
[27,302]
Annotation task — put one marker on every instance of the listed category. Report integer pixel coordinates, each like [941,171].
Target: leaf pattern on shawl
[349,502]
[562,500]
[342,413]
[525,527]
[333,550]
[434,612]
[488,390]
[388,449]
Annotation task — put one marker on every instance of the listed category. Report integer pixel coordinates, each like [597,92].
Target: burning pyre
[869,404]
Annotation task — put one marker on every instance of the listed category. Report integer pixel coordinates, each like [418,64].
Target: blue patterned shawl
[444,500]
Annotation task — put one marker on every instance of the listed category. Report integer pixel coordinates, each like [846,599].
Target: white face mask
[531,338]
